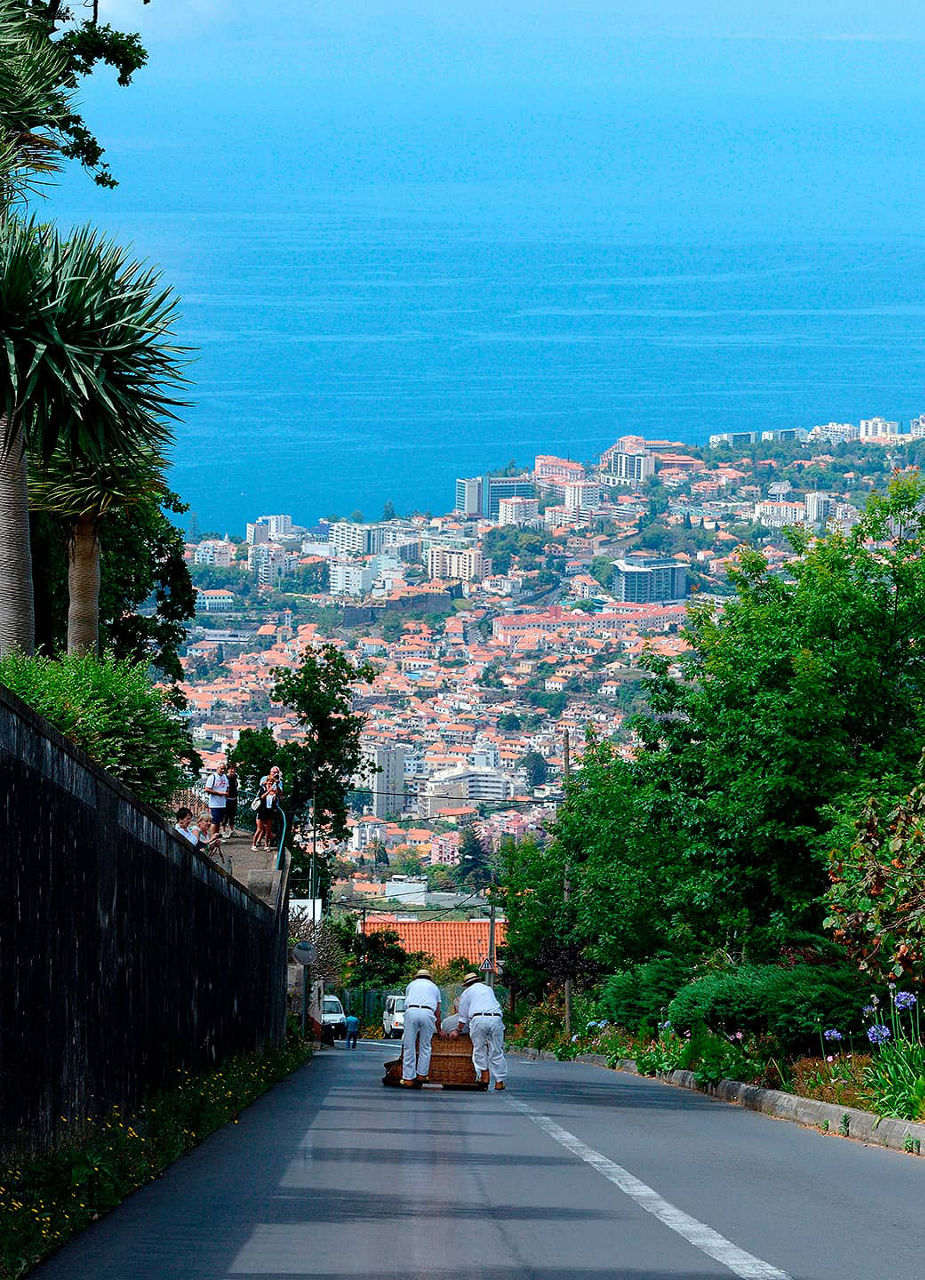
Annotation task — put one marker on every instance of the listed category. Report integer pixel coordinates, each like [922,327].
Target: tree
[80,45]
[509,723]
[83,495]
[876,898]
[474,870]
[88,375]
[141,561]
[535,767]
[388,512]
[320,694]
[602,570]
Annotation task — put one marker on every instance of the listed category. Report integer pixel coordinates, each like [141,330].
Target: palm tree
[32,109]
[83,495]
[88,376]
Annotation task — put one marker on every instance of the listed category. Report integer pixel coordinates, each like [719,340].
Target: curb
[907,1136]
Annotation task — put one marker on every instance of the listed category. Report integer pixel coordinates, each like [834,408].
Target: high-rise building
[819,506]
[519,511]
[216,552]
[257,531]
[649,581]
[469,496]
[279,527]
[917,427]
[348,539]
[350,577]
[385,778]
[834,432]
[872,428]
[495,488]
[623,469]
[467,566]
[779,515]
[269,561]
[733,439]
[581,495]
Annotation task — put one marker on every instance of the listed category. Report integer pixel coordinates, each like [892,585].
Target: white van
[333,1021]
[393,1017]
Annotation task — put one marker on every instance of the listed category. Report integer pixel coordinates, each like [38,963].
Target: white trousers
[487,1036]
[420,1025]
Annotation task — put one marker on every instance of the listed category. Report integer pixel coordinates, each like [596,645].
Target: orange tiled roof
[443,940]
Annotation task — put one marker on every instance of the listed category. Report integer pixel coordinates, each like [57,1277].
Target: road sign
[486,966]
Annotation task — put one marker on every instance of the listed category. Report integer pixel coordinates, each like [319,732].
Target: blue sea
[357,348]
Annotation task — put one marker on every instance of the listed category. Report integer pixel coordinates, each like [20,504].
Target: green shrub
[792,1005]
[111,710]
[641,994]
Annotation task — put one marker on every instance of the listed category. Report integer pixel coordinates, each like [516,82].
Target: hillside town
[506,629]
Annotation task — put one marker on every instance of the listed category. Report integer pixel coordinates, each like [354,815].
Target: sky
[754,113]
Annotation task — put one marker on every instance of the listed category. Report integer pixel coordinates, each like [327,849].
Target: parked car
[393,1017]
[333,1020]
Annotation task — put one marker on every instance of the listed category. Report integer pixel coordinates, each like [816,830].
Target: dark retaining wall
[124,955]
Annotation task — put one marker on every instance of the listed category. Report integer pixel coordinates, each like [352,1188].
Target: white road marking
[696,1233]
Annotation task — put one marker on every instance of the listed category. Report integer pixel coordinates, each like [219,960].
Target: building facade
[650,581]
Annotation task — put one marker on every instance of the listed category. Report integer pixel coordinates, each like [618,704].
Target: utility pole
[566,886]
[363,962]
[491,936]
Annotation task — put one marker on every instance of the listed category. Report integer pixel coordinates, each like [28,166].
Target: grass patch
[46,1201]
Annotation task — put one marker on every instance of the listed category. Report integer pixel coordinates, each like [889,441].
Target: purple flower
[832,1034]
[868,1011]
[878,1033]
[904,999]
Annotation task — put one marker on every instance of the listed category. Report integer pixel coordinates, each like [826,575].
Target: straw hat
[470,978]
[424,973]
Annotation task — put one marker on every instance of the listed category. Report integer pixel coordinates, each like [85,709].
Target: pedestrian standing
[353,1030]
[422,1019]
[231,799]
[480,1012]
[270,795]
[216,789]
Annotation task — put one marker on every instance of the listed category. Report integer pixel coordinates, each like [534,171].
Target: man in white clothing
[480,1013]
[422,1019]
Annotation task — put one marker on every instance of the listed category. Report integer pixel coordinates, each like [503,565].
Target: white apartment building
[835,432]
[278,527]
[385,777]
[348,539]
[819,506]
[519,511]
[467,566]
[269,561]
[216,552]
[582,495]
[778,515]
[257,532]
[351,577]
[465,783]
[917,427]
[626,470]
[873,428]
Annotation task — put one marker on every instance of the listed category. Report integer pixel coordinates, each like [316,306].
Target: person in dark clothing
[353,1030]
[231,800]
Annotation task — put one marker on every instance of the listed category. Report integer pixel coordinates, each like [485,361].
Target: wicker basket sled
[450,1065]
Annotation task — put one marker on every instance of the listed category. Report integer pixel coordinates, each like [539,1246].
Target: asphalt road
[573,1172]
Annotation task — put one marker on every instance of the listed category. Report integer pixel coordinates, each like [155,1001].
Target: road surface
[574,1172]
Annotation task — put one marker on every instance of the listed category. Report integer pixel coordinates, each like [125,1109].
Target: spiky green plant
[89,373]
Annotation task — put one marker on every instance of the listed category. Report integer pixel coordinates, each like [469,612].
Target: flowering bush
[46,1201]
[895,1078]
[837,1078]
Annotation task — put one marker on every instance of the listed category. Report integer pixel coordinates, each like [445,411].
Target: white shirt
[479,998]
[191,836]
[217,782]
[422,991]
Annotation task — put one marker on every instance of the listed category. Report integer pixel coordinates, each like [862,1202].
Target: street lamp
[468,857]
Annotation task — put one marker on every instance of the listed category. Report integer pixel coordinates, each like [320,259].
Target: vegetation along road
[575,1172]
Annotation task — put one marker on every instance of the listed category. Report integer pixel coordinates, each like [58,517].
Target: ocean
[354,349]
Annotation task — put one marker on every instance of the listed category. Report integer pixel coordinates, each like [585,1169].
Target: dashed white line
[702,1237]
